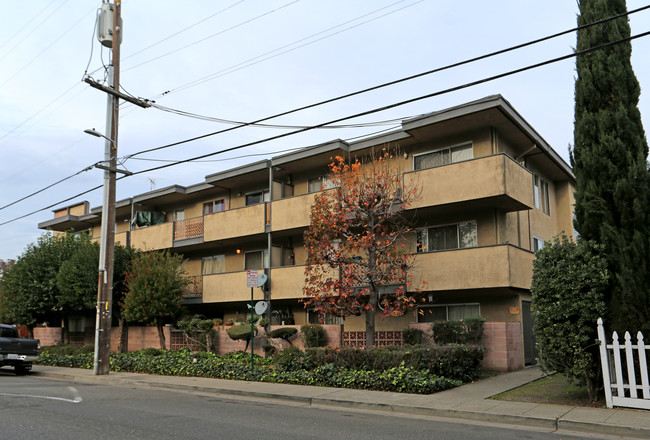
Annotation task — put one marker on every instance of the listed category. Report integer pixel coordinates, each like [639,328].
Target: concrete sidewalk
[469,402]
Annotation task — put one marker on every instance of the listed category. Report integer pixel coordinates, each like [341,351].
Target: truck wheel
[21,370]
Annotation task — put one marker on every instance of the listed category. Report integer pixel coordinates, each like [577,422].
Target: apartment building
[492,191]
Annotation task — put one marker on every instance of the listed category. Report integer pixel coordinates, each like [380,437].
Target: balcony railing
[190,228]
[194,288]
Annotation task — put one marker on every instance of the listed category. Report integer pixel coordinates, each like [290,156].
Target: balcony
[293,212]
[188,231]
[492,181]
[195,287]
[287,282]
[153,237]
[234,223]
[474,268]
[228,287]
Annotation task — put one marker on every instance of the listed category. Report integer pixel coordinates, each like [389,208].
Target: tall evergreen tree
[609,160]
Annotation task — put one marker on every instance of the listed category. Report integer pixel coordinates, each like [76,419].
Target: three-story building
[492,191]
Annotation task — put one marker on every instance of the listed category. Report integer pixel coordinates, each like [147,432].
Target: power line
[280,126]
[213,35]
[379,109]
[27,24]
[308,128]
[184,29]
[390,83]
[263,57]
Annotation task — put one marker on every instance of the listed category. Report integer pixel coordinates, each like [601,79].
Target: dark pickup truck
[17,352]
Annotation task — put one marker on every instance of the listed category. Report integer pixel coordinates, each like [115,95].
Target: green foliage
[235,365]
[468,331]
[155,284]
[285,333]
[68,349]
[313,335]
[569,283]
[269,350]
[30,289]
[198,330]
[77,278]
[412,336]
[454,361]
[612,197]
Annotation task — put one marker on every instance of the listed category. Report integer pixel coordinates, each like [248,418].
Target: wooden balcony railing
[190,228]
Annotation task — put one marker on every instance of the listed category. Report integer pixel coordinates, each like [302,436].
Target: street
[32,407]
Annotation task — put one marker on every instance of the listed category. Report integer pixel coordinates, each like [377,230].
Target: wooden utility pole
[105,284]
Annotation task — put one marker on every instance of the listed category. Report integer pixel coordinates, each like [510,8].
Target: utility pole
[107,245]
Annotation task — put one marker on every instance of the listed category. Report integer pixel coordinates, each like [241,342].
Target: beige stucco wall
[228,287]
[287,282]
[564,206]
[80,209]
[234,223]
[153,237]
[491,176]
[293,212]
[473,268]
[358,323]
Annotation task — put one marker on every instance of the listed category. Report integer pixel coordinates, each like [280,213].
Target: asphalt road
[40,408]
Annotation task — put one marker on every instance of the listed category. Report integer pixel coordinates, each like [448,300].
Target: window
[451,312]
[538,243]
[215,206]
[257,197]
[256,260]
[440,238]
[314,318]
[540,193]
[213,264]
[179,214]
[443,157]
[318,183]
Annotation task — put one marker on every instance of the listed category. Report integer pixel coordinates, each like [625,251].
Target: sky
[242,60]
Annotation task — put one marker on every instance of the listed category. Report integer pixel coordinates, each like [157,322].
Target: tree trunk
[66,329]
[161,334]
[123,331]
[370,320]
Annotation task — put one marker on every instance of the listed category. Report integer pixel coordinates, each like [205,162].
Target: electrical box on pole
[105,25]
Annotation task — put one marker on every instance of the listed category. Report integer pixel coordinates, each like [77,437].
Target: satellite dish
[261,307]
[261,279]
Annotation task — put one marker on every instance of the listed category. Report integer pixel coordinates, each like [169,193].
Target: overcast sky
[243,60]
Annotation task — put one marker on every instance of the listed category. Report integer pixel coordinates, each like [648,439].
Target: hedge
[398,378]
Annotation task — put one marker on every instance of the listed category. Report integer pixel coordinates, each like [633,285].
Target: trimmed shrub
[68,349]
[412,336]
[313,335]
[285,333]
[467,331]
[241,332]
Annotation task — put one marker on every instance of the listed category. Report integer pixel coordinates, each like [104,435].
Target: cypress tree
[609,160]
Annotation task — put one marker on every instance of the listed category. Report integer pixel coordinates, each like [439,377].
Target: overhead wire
[32,30]
[212,36]
[42,11]
[390,83]
[182,30]
[304,129]
[375,110]
[263,57]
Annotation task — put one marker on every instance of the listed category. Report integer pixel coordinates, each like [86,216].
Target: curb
[551,424]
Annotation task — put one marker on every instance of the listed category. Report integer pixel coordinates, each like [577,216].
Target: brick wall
[48,335]
[504,346]
[140,337]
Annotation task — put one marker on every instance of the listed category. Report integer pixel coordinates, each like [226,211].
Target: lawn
[553,389]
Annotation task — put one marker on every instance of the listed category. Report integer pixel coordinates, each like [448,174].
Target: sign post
[251,281]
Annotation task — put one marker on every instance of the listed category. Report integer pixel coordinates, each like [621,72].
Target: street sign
[251,278]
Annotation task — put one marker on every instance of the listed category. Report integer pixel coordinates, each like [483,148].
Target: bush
[285,333]
[453,361]
[412,336]
[269,350]
[313,335]
[467,331]
[291,366]
[68,349]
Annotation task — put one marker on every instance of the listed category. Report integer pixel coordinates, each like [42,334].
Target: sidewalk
[469,402]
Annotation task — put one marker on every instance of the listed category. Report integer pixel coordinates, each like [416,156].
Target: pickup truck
[17,352]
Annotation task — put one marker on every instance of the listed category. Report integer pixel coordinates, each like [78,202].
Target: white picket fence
[621,388]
